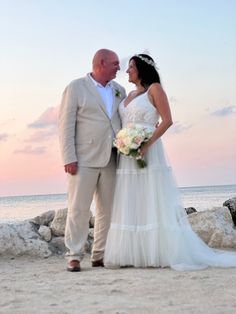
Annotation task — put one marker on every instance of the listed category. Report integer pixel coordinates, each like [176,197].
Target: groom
[88,122]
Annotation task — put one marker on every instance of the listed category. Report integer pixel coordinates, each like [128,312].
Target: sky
[46,44]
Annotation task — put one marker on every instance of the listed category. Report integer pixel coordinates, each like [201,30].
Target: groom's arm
[67,129]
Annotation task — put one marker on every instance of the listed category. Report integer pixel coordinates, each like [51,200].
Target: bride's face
[133,72]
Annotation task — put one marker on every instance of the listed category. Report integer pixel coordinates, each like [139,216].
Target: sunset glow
[46,44]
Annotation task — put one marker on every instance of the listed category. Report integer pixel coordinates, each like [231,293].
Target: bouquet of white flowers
[129,140]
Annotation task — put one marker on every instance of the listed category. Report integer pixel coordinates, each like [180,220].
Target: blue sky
[46,44]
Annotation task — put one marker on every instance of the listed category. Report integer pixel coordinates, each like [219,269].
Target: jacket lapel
[116,98]
[90,85]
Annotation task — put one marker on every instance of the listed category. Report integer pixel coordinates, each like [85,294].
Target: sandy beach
[33,285]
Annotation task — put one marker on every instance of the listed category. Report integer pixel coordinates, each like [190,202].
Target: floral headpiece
[148,61]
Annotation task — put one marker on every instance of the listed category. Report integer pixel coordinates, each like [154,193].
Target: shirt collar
[97,84]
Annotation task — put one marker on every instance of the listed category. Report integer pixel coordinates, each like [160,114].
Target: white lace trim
[133,227]
[148,227]
[142,171]
[139,111]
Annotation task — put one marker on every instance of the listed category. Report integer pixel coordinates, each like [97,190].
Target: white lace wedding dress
[149,226]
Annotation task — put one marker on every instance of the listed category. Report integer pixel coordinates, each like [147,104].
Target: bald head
[102,55]
[105,66]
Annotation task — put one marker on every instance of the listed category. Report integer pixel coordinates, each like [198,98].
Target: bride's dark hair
[147,71]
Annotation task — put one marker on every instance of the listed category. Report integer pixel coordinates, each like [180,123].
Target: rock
[45,233]
[91,220]
[215,227]
[35,238]
[44,219]
[89,243]
[57,245]
[231,204]
[93,207]
[190,210]
[59,222]
[22,239]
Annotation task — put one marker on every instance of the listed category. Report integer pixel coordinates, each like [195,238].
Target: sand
[33,285]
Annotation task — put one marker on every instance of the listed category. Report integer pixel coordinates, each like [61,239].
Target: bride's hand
[143,150]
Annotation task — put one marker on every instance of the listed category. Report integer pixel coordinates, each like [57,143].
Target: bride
[149,226]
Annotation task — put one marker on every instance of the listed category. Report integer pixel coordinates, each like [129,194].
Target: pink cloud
[226,111]
[3,137]
[41,136]
[29,150]
[47,119]
[179,128]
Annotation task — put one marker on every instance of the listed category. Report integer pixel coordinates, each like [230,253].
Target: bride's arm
[159,100]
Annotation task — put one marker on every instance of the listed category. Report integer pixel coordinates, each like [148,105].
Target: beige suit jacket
[85,130]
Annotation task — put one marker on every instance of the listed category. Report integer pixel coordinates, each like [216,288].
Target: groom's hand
[71,168]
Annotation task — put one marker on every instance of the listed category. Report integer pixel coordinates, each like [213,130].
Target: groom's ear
[102,62]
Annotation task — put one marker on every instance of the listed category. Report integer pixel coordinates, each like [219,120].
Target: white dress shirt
[106,94]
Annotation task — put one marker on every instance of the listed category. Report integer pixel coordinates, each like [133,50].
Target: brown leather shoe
[98,263]
[74,265]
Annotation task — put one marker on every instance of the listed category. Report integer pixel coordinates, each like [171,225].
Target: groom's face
[110,66]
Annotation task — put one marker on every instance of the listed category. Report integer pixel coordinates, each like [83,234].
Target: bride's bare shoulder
[155,87]
[156,90]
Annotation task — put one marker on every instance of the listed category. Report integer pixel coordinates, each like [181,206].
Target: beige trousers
[87,183]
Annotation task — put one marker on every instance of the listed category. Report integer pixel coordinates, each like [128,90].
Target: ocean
[18,208]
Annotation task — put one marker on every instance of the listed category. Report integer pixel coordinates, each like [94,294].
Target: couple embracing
[139,219]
